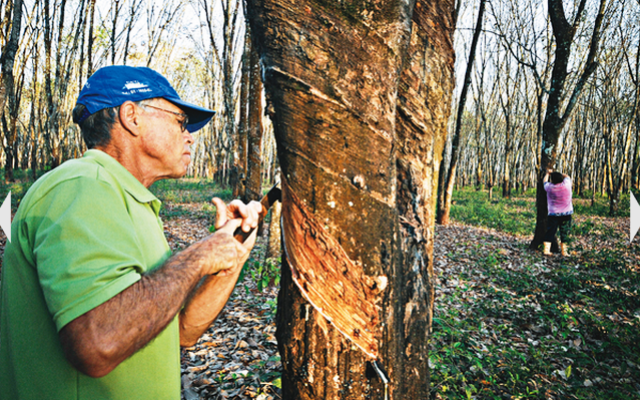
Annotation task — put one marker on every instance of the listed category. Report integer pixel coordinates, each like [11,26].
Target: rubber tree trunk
[239,170]
[274,247]
[254,138]
[356,133]
[92,13]
[7,90]
[424,98]
[555,118]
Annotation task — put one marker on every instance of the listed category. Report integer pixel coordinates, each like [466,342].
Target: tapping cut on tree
[333,284]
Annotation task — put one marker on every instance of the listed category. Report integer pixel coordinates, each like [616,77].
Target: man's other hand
[248,213]
[221,253]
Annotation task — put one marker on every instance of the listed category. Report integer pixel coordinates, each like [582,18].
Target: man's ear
[130,117]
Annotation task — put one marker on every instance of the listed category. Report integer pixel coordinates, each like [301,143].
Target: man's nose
[188,137]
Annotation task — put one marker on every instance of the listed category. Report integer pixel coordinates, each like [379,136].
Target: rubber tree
[253,190]
[557,115]
[448,175]
[7,88]
[359,94]
[225,55]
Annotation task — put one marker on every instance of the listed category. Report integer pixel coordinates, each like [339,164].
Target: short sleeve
[85,247]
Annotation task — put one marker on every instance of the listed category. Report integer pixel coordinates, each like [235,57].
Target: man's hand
[209,298]
[249,213]
[221,253]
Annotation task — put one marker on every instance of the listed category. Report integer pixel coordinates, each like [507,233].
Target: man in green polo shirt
[92,303]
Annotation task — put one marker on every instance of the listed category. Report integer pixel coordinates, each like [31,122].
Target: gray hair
[96,129]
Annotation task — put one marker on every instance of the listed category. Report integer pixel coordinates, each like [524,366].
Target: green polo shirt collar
[126,179]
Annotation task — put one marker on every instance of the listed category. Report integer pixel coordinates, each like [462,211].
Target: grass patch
[538,333]
[189,190]
[179,195]
[517,215]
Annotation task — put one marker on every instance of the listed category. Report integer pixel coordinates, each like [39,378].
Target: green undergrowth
[517,215]
[513,325]
[18,188]
[560,333]
[189,190]
[176,194]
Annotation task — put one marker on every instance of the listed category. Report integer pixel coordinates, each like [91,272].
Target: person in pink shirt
[560,210]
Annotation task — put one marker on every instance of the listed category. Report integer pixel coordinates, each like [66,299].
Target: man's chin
[178,175]
[185,166]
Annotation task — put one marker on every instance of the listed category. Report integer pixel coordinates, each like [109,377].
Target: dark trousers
[555,222]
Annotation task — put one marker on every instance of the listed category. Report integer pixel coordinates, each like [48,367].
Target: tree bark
[133,12]
[7,89]
[230,17]
[274,248]
[356,136]
[92,12]
[424,98]
[253,189]
[114,26]
[240,144]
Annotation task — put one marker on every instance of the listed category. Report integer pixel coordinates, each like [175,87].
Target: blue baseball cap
[113,85]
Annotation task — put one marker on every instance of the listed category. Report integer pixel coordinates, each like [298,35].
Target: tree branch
[590,65]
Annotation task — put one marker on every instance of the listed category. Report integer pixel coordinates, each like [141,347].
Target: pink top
[559,197]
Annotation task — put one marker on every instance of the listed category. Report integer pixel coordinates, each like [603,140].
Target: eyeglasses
[183,122]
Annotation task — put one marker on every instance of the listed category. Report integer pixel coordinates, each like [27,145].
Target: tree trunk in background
[92,13]
[356,138]
[48,86]
[508,142]
[133,12]
[253,189]
[114,28]
[230,31]
[555,119]
[449,174]
[635,169]
[32,121]
[274,248]
[7,90]
[238,172]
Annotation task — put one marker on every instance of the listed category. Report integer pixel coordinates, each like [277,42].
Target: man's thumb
[231,226]
[221,212]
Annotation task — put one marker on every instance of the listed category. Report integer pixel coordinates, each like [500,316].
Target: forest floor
[508,322]
[237,358]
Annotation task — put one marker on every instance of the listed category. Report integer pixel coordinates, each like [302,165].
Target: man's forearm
[99,340]
[205,305]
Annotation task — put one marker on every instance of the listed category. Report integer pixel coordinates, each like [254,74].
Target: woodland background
[507,322]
